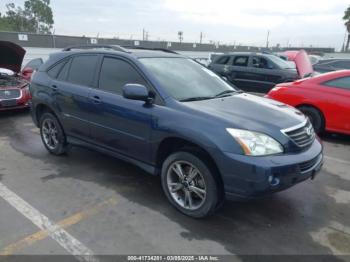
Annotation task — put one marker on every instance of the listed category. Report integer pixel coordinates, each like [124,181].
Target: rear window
[82,70]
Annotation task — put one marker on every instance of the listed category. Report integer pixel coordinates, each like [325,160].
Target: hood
[302,62]
[11,56]
[250,112]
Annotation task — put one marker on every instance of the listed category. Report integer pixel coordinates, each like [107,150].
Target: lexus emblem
[7,93]
[309,131]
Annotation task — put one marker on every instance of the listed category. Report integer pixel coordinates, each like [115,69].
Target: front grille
[9,94]
[302,136]
[306,166]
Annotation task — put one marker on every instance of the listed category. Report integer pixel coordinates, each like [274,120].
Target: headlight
[256,144]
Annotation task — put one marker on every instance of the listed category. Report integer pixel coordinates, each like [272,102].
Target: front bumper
[252,177]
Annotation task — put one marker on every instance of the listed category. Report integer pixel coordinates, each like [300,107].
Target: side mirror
[136,92]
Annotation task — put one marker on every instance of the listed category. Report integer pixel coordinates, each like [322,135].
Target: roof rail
[150,48]
[112,47]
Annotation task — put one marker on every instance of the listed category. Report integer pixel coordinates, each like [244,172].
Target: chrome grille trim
[306,167]
[299,134]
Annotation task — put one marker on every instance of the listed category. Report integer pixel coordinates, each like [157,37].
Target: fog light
[274,181]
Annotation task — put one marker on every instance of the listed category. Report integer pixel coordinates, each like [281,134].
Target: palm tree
[346,18]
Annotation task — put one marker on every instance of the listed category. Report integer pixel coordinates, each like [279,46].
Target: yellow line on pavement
[65,223]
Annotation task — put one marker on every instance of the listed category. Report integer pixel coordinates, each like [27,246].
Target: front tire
[189,185]
[52,134]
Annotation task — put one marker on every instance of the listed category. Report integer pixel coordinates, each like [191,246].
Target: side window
[115,73]
[222,60]
[62,76]
[343,82]
[261,62]
[342,64]
[82,70]
[241,61]
[54,71]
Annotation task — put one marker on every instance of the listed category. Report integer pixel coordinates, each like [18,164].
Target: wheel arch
[306,104]
[41,109]
[174,144]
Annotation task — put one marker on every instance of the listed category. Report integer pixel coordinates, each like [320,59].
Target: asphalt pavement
[89,203]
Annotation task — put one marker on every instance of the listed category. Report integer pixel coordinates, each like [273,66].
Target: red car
[325,99]
[14,85]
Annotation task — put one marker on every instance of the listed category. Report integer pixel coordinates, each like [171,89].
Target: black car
[329,65]
[254,72]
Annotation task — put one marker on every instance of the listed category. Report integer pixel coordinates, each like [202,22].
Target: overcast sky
[297,22]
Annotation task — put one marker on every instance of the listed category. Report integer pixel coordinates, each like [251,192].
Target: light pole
[267,39]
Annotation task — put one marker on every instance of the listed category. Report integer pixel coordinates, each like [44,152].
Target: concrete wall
[60,41]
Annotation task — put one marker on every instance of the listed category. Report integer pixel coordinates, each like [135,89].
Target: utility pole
[267,39]
[143,34]
[181,36]
[53,38]
[201,38]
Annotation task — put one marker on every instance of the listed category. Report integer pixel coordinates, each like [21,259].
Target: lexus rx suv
[174,118]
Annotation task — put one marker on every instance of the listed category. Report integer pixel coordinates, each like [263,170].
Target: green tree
[36,16]
[346,18]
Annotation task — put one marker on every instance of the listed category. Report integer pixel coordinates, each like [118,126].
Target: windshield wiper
[197,98]
[225,93]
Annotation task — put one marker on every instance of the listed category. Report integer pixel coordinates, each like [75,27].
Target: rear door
[120,124]
[338,100]
[71,93]
[220,65]
[238,72]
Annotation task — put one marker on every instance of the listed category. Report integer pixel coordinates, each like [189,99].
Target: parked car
[175,118]
[255,72]
[329,65]
[325,99]
[32,66]
[14,90]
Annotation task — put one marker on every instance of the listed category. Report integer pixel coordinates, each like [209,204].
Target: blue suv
[174,118]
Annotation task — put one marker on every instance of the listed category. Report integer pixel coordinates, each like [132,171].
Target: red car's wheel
[315,116]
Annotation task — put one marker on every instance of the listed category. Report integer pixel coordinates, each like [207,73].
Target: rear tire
[315,116]
[52,134]
[189,185]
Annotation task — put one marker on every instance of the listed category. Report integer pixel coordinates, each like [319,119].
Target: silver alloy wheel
[50,134]
[186,185]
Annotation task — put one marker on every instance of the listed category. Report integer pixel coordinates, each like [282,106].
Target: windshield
[280,62]
[184,79]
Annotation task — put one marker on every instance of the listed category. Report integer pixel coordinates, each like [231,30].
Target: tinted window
[62,76]
[82,70]
[241,61]
[53,72]
[116,73]
[343,82]
[260,62]
[222,60]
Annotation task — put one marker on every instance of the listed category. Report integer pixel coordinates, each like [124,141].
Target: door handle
[96,99]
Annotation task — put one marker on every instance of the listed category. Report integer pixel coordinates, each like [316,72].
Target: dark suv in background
[175,118]
[254,72]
